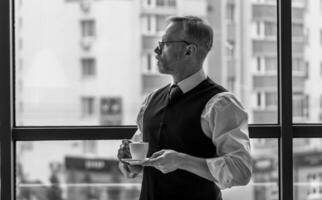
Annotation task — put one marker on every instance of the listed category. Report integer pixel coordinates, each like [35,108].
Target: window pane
[75,67]
[265,170]
[307,168]
[88,67]
[307,79]
[83,170]
[73,170]
[263,61]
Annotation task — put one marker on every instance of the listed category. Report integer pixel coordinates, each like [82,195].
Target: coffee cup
[139,150]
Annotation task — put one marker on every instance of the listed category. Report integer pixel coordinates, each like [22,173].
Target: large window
[230,13]
[59,131]
[88,67]
[83,169]
[79,169]
[306,84]
[270,29]
[88,28]
[87,104]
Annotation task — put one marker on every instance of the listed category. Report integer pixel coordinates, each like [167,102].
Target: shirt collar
[192,81]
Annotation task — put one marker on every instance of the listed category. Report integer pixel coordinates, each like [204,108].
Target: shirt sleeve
[225,121]
[138,135]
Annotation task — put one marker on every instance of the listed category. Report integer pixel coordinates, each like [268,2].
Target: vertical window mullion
[285,98]
[6,121]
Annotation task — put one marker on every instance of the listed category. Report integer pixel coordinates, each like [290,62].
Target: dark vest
[176,126]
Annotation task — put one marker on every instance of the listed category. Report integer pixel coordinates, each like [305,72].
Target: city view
[91,63]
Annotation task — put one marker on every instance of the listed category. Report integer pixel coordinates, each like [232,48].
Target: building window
[172,3]
[111,111]
[270,64]
[300,105]
[88,28]
[258,28]
[271,100]
[270,29]
[147,3]
[259,66]
[20,43]
[148,23]
[160,3]
[88,67]
[297,30]
[87,106]
[149,62]
[298,65]
[166,3]
[307,65]
[230,13]
[259,100]
[321,68]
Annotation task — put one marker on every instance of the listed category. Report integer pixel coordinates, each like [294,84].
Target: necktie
[174,93]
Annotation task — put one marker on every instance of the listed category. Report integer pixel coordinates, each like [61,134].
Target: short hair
[196,31]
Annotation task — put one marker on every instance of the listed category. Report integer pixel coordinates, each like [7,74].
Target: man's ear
[191,49]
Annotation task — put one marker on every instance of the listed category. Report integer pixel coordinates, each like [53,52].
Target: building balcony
[265,81]
[298,46]
[269,81]
[264,12]
[265,116]
[268,12]
[298,82]
[298,14]
[262,47]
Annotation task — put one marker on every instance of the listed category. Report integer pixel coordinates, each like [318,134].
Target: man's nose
[157,50]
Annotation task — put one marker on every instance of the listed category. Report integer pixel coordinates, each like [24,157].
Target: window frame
[88,28]
[88,67]
[87,106]
[285,131]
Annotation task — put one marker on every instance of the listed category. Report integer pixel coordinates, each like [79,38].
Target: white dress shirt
[225,122]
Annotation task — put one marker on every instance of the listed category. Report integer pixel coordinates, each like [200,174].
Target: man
[197,131]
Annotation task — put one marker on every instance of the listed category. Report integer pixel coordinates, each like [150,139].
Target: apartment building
[67,69]
[66,72]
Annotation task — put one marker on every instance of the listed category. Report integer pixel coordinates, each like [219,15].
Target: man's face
[169,55]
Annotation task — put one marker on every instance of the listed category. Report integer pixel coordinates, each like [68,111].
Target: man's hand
[130,171]
[165,160]
[124,150]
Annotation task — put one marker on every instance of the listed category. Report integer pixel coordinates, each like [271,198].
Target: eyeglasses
[162,43]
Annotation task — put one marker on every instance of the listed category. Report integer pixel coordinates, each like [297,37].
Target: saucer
[131,161]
